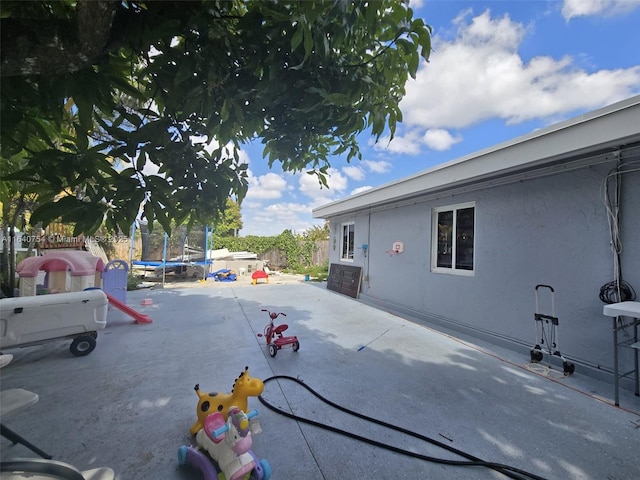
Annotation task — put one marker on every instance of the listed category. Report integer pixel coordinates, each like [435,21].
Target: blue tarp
[224,275]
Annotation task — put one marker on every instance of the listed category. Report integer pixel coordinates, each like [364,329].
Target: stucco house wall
[544,228]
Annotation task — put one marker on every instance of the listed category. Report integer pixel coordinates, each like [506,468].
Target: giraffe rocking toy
[208,403]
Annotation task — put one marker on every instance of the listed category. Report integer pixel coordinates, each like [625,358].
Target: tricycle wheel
[296,346]
[82,345]
[273,350]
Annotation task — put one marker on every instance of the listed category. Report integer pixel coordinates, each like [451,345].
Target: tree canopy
[113,105]
[230,222]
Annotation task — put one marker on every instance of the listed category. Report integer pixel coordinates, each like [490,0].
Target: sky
[499,69]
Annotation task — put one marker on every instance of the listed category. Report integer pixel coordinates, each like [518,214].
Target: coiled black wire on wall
[614,292]
[617,290]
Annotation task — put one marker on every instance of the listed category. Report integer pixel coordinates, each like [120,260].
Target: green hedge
[297,251]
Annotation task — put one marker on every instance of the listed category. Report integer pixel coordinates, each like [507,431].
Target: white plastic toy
[39,319]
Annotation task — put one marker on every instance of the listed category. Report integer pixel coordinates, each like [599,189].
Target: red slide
[139,317]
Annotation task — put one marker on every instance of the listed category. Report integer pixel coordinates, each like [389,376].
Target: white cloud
[268,186]
[411,142]
[439,139]
[353,172]
[379,166]
[479,75]
[310,186]
[408,143]
[607,8]
[270,206]
[273,219]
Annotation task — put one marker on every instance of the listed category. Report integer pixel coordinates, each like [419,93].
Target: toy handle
[274,315]
[252,414]
[221,430]
[225,427]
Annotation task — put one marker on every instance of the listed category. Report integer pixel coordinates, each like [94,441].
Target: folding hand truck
[546,334]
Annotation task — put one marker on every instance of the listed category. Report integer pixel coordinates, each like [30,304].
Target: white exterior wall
[549,230]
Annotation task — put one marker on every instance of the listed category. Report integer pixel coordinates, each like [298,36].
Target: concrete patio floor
[130,403]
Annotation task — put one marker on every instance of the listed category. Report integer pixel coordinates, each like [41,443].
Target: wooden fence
[276,259]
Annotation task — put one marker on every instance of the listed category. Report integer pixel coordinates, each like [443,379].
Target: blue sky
[499,69]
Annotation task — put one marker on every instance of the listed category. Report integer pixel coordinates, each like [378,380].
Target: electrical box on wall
[398,247]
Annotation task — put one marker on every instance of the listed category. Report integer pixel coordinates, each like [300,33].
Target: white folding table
[616,311]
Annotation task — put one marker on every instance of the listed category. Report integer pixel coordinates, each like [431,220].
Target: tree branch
[67,47]
[379,54]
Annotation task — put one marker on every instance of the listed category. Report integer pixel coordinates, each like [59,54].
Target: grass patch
[317,273]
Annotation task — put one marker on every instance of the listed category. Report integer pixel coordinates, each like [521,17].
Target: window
[452,239]
[347,241]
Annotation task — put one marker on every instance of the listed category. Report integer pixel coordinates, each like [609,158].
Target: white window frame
[349,254]
[434,240]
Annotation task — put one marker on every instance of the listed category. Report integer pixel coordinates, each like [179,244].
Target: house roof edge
[538,148]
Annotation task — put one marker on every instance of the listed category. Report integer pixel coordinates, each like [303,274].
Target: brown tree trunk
[57,48]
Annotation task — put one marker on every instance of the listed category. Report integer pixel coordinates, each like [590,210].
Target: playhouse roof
[78,261]
[602,135]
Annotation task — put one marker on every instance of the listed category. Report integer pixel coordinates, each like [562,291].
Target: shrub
[133,281]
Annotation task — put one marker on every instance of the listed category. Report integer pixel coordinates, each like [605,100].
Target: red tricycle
[273,335]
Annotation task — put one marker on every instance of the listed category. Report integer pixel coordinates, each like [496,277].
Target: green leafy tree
[17,200]
[318,232]
[152,83]
[231,221]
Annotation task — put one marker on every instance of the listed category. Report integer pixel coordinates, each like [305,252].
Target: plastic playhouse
[70,303]
[65,271]
[74,271]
